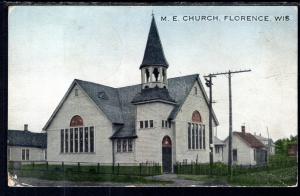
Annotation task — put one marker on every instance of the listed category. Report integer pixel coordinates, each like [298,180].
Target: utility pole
[229,73]
[268,155]
[209,84]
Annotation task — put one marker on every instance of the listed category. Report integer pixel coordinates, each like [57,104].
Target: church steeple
[154,65]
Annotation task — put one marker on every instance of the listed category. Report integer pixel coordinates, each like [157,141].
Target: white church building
[162,120]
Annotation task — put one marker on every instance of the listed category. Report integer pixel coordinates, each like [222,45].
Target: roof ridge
[16,130]
[95,83]
[135,84]
[240,134]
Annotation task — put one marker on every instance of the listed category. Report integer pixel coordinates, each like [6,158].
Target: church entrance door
[167,154]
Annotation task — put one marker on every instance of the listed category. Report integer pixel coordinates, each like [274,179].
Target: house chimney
[25,127]
[243,129]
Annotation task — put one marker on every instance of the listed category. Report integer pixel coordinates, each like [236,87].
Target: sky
[50,46]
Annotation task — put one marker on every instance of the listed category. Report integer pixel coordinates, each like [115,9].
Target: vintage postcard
[152,96]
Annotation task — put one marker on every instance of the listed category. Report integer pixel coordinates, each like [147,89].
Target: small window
[146,124]
[118,145]
[62,140]
[76,92]
[27,154]
[193,136]
[169,124]
[124,149]
[151,123]
[166,123]
[23,154]
[81,139]
[86,139]
[71,140]
[141,124]
[129,145]
[76,139]
[162,123]
[217,150]
[67,141]
[234,153]
[254,154]
[91,139]
[203,132]
[189,135]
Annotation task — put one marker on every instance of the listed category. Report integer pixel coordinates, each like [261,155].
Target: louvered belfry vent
[102,95]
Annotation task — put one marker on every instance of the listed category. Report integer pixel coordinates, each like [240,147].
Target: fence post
[180,168]
[98,167]
[118,168]
[191,167]
[62,165]
[78,166]
[47,165]
[140,169]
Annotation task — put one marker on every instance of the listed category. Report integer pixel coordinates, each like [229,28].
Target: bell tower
[154,66]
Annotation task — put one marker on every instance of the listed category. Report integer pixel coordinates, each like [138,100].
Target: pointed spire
[154,54]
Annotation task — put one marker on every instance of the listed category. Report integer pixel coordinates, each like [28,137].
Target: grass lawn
[277,177]
[82,176]
[127,174]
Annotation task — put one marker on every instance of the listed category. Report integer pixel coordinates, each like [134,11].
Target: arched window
[76,121]
[196,117]
[147,75]
[164,76]
[166,142]
[156,74]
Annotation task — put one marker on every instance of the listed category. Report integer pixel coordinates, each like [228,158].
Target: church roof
[110,105]
[154,54]
[218,141]
[26,139]
[119,109]
[250,139]
[151,94]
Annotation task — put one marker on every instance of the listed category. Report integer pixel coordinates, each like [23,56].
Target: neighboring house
[246,149]
[269,144]
[161,120]
[23,145]
[293,150]
[219,150]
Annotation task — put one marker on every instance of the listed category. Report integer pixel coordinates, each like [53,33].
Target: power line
[208,79]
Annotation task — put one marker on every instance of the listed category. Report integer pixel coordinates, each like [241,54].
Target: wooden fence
[220,169]
[138,169]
